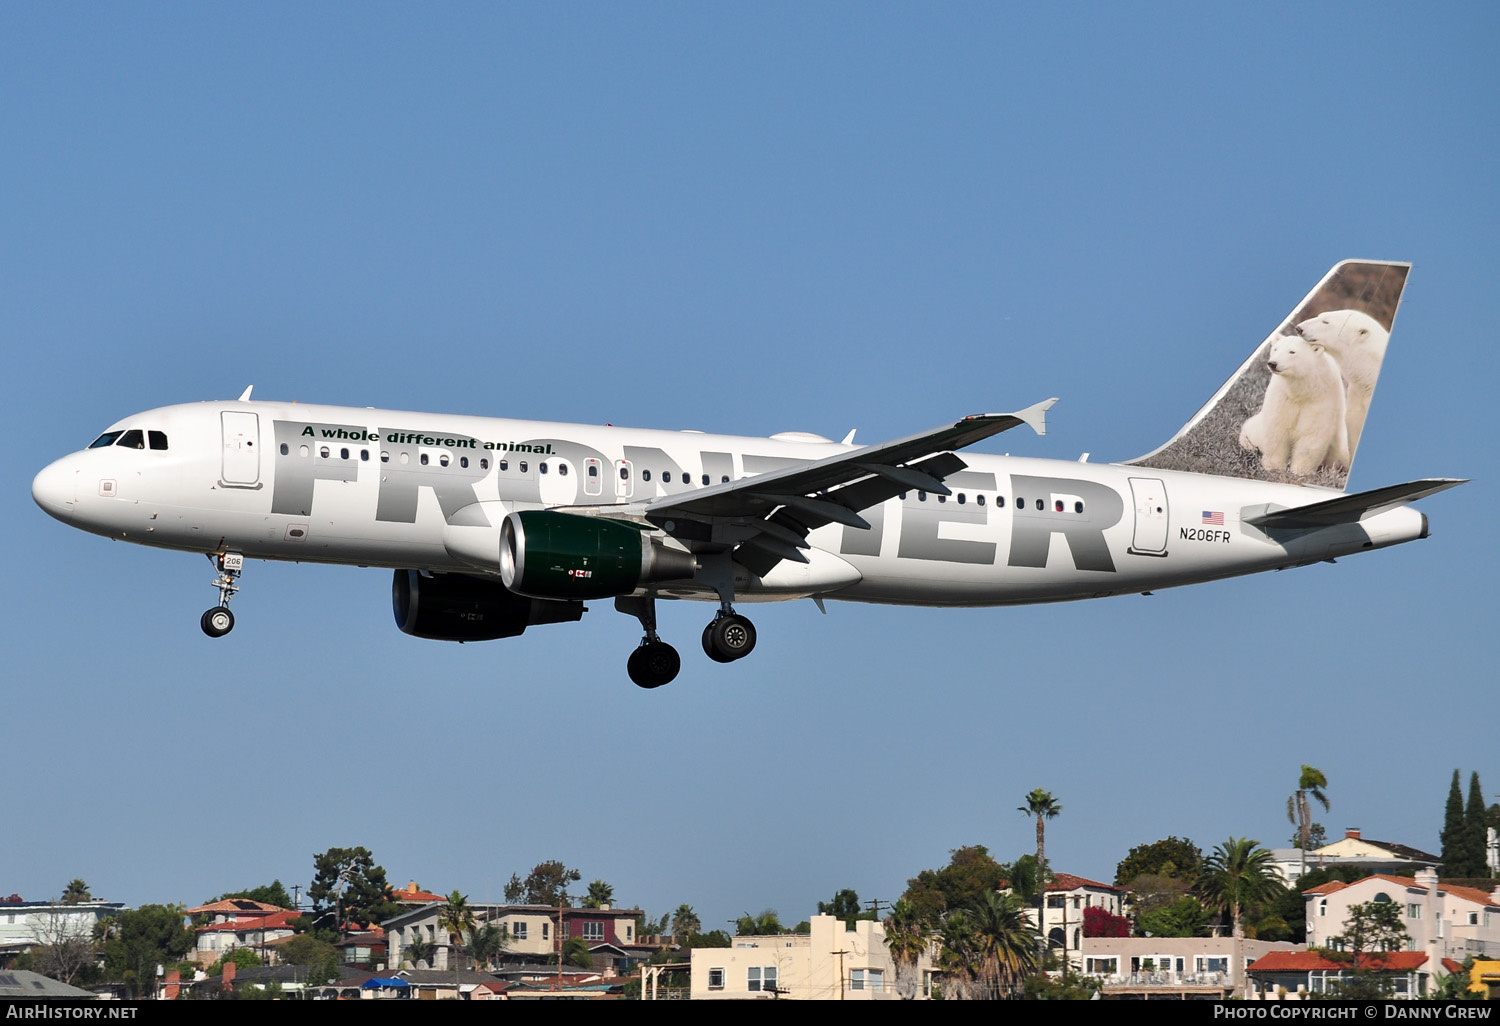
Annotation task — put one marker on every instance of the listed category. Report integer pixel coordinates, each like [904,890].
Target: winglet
[1035,417]
[245,395]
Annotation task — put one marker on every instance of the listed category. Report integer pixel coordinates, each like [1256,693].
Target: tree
[1239,874]
[242,957]
[1005,941]
[77,891]
[1027,880]
[455,919]
[487,941]
[419,950]
[140,940]
[1185,917]
[1043,806]
[1317,836]
[515,889]
[575,952]
[272,893]
[908,936]
[685,923]
[599,895]
[765,924]
[348,888]
[1453,830]
[1370,930]
[845,906]
[1298,811]
[970,872]
[1171,857]
[1475,824]
[547,884]
[64,948]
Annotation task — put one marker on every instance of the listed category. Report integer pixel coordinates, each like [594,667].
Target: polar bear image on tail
[1301,424]
[1357,341]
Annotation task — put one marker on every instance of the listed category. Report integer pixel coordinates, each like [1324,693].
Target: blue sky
[747,219]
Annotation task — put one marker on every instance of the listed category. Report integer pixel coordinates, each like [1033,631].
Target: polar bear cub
[1357,341]
[1301,424]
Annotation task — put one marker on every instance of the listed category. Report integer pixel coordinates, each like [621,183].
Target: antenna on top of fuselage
[245,395]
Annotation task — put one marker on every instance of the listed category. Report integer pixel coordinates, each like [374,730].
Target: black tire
[653,664]
[708,645]
[731,637]
[217,622]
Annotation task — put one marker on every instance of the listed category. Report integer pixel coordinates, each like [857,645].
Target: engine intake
[452,607]
[562,556]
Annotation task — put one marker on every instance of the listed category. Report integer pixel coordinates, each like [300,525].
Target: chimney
[1351,833]
[227,981]
[173,981]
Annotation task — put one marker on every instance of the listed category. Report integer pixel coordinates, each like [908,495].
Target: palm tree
[1005,941]
[907,935]
[456,918]
[600,894]
[960,951]
[420,950]
[1043,806]
[75,892]
[1298,811]
[487,941]
[685,923]
[1239,874]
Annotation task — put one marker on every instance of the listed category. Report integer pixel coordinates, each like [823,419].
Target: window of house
[1102,966]
[546,930]
[856,979]
[518,930]
[1056,901]
[752,978]
[1211,964]
[1473,918]
[877,979]
[1413,911]
[593,931]
[716,978]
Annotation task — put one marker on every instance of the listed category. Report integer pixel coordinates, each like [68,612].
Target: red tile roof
[1473,894]
[412,893]
[275,921]
[1308,961]
[1069,882]
[235,907]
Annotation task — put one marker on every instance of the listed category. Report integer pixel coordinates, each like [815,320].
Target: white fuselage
[429,491]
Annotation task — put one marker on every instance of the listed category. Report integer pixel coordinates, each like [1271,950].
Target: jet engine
[452,607]
[563,556]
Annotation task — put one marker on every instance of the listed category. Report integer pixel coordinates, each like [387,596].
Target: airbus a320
[494,525]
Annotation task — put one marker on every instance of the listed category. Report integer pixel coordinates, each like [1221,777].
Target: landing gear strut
[654,662]
[219,621]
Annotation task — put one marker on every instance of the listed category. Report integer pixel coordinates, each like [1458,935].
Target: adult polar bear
[1301,424]
[1357,341]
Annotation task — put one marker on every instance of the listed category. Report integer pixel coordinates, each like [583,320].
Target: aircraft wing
[773,512]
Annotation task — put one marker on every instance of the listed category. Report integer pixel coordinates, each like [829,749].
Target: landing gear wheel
[653,664]
[708,645]
[217,622]
[729,638]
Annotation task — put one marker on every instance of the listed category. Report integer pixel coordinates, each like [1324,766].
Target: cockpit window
[108,438]
[158,439]
[133,439]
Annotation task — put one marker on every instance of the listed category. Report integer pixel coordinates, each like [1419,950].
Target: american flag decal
[1214,517]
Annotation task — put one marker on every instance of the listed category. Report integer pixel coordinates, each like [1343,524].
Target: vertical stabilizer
[1295,410]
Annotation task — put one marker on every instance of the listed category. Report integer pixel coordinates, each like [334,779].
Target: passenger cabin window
[521,466]
[705,479]
[1077,507]
[106,439]
[624,473]
[423,458]
[593,470]
[1000,501]
[463,461]
[158,440]
[645,475]
[442,459]
[542,467]
[132,440]
[385,457]
[504,465]
[562,470]
[323,452]
[484,463]
[285,449]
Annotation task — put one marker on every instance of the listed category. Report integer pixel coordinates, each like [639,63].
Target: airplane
[492,526]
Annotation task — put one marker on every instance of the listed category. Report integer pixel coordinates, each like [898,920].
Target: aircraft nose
[54,489]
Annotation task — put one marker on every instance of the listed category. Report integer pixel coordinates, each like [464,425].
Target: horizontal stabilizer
[1350,509]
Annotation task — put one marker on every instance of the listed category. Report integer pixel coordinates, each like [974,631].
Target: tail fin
[1295,409]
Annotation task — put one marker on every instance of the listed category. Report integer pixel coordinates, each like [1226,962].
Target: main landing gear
[219,621]
[728,637]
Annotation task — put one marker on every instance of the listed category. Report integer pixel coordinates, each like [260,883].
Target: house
[1355,851]
[831,962]
[1173,968]
[24,923]
[1067,897]
[1290,975]
[534,935]
[240,923]
[1443,920]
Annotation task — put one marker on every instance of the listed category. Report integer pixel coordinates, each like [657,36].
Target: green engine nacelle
[563,556]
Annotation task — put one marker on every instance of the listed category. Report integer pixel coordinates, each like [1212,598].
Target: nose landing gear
[219,621]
